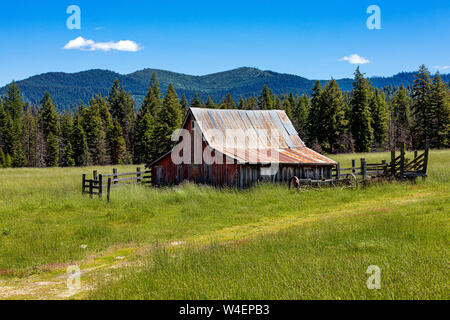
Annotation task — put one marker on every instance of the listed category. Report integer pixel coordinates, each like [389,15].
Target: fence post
[108,191]
[100,186]
[115,175]
[415,154]
[363,168]
[90,187]
[383,163]
[354,166]
[94,174]
[338,170]
[425,158]
[393,162]
[83,189]
[402,160]
[138,174]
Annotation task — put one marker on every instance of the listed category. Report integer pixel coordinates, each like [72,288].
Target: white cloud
[83,44]
[355,59]
[441,68]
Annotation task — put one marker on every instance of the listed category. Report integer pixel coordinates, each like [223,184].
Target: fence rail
[399,167]
[95,185]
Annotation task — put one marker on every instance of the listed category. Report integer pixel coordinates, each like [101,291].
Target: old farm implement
[102,183]
[399,168]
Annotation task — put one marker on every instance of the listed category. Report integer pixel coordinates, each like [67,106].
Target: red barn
[237,148]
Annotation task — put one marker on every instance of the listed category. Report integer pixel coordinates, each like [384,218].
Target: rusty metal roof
[255,136]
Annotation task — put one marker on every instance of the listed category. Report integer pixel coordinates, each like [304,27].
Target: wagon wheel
[352,181]
[294,183]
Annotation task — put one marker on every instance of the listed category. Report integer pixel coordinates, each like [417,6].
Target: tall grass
[320,260]
[45,220]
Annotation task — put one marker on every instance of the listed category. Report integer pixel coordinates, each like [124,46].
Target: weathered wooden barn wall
[220,175]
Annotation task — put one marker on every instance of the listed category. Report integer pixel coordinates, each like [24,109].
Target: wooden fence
[399,167]
[95,185]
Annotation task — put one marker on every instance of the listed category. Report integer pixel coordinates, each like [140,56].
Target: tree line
[110,131]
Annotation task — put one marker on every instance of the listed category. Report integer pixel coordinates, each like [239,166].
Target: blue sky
[307,38]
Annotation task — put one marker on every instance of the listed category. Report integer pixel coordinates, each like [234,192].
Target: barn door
[180,173]
[159,175]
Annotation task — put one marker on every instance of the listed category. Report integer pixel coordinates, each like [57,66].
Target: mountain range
[68,89]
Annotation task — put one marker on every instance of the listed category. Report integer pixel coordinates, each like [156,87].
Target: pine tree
[440,104]
[13,101]
[421,109]
[400,105]
[251,104]
[29,136]
[241,105]
[2,158]
[287,107]
[379,119]
[121,107]
[301,116]
[95,130]
[14,106]
[167,121]
[196,103]
[152,100]
[144,137]
[115,106]
[332,121]
[9,138]
[52,152]
[293,102]
[8,161]
[361,119]
[278,104]
[146,144]
[3,117]
[66,125]
[79,144]
[48,116]
[117,144]
[229,102]
[266,100]
[185,104]
[314,116]
[40,146]
[210,104]
[68,155]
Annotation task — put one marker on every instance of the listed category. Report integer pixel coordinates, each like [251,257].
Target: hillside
[67,89]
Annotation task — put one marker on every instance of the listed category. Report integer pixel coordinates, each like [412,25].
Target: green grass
[266,242]
[321,260]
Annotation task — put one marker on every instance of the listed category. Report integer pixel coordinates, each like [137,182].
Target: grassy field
[194,242]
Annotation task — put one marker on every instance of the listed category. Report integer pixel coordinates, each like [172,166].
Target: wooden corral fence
[399,168]
[95,185]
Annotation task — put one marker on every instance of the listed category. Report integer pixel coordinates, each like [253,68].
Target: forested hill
[67,89]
